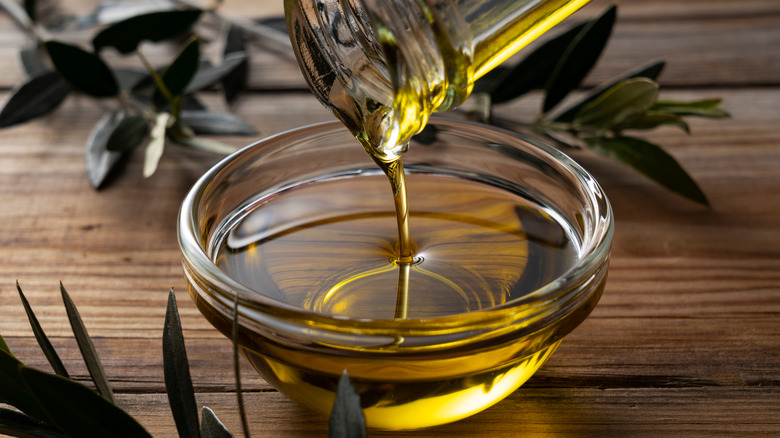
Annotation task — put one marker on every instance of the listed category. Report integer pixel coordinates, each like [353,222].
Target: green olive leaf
[216,123]
[86,71]
[651,120]
[13,390]
[579,58]
[99,160]
[87,348]
[701,108]
[531,73]
[209,75]
[235,81]
[178,384]
[650,160]
[126,35]
[35,98]
[77,410]
[346,418]
[4,346]
[652,70]
[211,427]
[625,101]
[14,423]
[128,134]
[181,71]
[40,336]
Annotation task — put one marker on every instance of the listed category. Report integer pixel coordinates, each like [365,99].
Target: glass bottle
[383,66]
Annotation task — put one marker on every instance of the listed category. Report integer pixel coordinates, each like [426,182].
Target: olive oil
[330,247]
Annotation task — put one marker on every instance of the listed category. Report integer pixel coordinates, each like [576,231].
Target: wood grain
[685,341]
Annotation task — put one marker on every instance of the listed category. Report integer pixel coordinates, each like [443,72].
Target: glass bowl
[513,241]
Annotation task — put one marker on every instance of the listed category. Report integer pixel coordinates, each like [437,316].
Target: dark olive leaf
[216,123]
[84,70]
[86,347]
[4,346]
[100,161]
[126,35]
[237,368]
[235,81]
[31,7]
[579,58]
[700,108]
[31,61]
[652,120]
[129,134]
[561,138]
[534,71]
[180,72]
[78,410]
[13,423]
[651,71]
[209,75]
[625,101]
[211,427]
[346,418]
[650,160]
[181,395]
[37,97]
[40,336]
[14,392]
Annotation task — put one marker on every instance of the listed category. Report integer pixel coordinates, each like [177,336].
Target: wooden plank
[700,412]
[705,44]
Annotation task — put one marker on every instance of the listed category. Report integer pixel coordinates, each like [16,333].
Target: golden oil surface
[331,247]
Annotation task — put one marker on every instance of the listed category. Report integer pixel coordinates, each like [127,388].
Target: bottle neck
[382,66]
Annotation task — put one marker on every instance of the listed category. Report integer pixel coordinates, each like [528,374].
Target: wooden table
[685,341]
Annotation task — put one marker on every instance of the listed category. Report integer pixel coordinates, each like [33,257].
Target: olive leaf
[209,75]
[234,82]
[652,70]
[183,135]
[154,149]
[37,97]
[13,389]
[99,160]
[40,336]
[651,120]
[128,134]
[178,382]
[14,423]
[86,71]
[216,123]
[77,410]
[86,347]
[650,160]
[346,418]
[181,71]
[4,346]
[579,58]
[126,35]
[700,108]
[211,427]
[531,73]
[625,101]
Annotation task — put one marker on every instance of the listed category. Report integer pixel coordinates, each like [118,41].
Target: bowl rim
[234,293]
